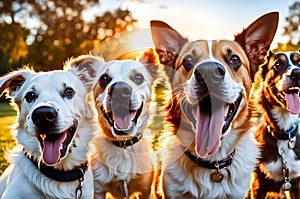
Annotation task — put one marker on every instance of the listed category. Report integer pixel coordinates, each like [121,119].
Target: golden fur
[135,164]
[204,74]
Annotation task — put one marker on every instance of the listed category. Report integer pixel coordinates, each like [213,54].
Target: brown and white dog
[54,130]
[125,163]
[277,98]
[212,151]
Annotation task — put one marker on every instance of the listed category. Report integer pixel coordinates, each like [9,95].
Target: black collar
[283,135]
[59,175]
[211,165]
[126,143]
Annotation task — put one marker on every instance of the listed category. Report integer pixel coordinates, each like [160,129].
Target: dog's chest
[274,169]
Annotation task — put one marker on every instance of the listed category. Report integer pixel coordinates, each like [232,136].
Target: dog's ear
[168,43]
[257,38]
[86,67]
[12,82]
[150,59]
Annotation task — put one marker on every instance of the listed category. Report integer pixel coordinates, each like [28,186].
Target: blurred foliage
[54,31]
[13,48]
[291,30]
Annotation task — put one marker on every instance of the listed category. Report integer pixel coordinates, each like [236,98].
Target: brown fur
[137,164]
[179,173]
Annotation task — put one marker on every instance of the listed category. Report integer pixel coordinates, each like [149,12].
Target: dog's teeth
[43,136]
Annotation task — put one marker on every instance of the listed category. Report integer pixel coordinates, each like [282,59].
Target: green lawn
[7,118]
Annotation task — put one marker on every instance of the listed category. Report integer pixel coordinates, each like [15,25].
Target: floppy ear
[12,82]
[168,43]
[151,61]
[257,38]
[86,67]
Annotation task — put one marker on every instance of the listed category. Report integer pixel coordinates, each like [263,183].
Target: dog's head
[280,75]
[122,95]
[51,108]
[212,79]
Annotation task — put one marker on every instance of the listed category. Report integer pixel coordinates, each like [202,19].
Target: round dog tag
[217,176]
[286,186]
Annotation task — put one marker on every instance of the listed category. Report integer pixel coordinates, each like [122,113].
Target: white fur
[112,165]
[22,179]
[274,169]
[182,176]
[136,164]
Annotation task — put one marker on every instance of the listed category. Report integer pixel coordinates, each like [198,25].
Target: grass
[7,118]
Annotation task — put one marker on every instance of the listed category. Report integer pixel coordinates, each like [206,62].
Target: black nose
[295,74]
[44,117]
[120,91]
[209,71]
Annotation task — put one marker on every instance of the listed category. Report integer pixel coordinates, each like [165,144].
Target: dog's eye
[104,80]
[69,93]
[296,59]
[30,97]
[278,65]
[188,62]
[234,61]
[138,78]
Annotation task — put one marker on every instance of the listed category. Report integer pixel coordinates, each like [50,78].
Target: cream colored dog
[125,162]
[54,129]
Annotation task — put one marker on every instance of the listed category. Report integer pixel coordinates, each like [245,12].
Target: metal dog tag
[292,142]
[286,186]
[217,176]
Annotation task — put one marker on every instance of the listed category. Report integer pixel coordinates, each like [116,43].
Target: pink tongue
[293,103]
[51,151]
[208,131]
[123,122]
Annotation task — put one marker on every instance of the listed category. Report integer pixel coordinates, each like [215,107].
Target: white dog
[125,162]
[53,132]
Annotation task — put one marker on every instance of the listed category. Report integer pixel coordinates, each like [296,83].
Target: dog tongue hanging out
[55,128]
[293,101]
[209,124]
[211,81]
[277,99]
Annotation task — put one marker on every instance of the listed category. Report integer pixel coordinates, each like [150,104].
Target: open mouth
[122,119]
[289,98]
[211,118]
[293,100]
[55,145]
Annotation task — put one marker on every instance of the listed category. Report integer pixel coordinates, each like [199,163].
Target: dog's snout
[120,90]
[209,70]
[295,74]
[44,117]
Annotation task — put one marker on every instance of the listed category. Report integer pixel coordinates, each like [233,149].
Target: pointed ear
[168,43]
[86,67]
[151,61]
[257,38]
[12,82]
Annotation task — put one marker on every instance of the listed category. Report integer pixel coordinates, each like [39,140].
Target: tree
[13,34]
[64,33]
[54,30]
[291,30]
[293,24]
[13,47]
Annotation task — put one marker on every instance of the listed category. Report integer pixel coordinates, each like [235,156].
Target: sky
[203,19]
